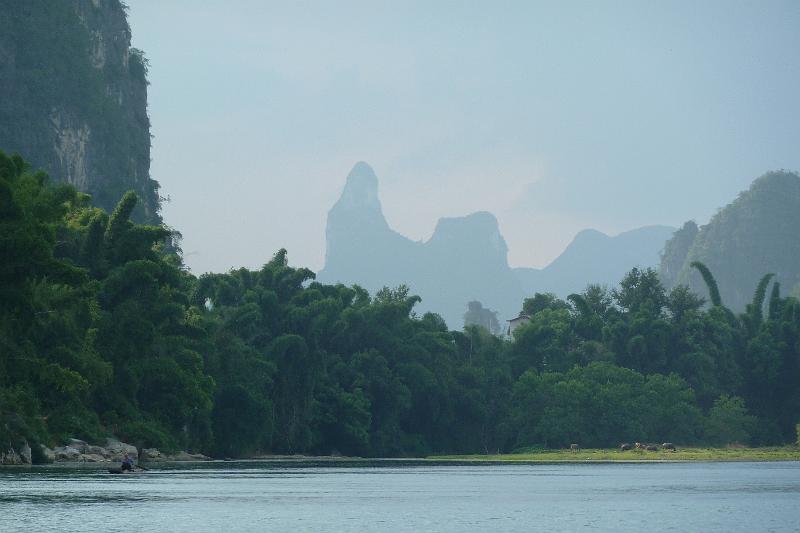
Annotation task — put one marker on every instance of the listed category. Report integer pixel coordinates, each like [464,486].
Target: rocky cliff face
[675,251]
[73,98]
[756,234]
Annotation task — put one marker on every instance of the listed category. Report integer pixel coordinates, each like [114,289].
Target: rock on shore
[16,456]
[79,451]
[113,451]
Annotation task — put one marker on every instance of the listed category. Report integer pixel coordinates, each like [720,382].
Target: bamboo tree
[775,302]
[711,283]
[757,309]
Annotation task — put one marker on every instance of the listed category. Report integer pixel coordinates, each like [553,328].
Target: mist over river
[406,496]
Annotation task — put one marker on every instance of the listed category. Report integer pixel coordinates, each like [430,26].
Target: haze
[555,118]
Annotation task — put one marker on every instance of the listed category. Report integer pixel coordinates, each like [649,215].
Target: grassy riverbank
[787,453]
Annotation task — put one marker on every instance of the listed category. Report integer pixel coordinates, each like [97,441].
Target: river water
[398,496]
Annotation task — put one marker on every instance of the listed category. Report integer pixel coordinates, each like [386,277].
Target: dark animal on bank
[625,446]
[668,446]
[574,447]
[651,448]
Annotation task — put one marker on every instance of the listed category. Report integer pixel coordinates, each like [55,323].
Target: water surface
[396,496]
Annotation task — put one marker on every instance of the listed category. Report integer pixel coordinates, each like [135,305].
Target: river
[406,496]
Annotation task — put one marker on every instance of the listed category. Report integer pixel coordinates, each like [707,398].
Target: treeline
[103,331]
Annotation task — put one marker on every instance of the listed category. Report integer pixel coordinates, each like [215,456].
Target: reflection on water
[405,496]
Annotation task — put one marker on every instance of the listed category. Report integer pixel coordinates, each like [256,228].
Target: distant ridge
[594,257]
[466,258]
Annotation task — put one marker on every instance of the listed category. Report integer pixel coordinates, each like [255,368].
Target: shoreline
[612,455]
[588,456]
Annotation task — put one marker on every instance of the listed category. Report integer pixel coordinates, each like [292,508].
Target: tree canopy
[103,331]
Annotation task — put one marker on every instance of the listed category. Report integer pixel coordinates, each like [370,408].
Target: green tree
[728,422]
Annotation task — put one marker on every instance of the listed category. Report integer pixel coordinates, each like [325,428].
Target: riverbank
[155,459]
[77,452]
[785,453]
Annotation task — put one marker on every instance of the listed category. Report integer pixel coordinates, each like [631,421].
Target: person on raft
[127,463]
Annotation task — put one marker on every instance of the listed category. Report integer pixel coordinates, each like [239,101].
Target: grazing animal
[574,447]
[668,446]
[625,446]
[651,448]
[639,446]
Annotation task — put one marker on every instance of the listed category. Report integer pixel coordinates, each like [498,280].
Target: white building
[514,323]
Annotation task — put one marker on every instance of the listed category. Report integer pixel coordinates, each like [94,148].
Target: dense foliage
[102,331]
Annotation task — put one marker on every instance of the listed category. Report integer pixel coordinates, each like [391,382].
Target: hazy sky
[553,116]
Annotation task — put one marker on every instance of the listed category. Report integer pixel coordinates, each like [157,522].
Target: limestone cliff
[756,234]
[73,97]
[361,247]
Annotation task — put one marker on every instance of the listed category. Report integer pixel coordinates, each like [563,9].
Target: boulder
[152,454]
[117,449]
[78,444]
[93,458]
[185,456]
[10,457]
[50,454]
[66,453]
[97,450]
[25,454]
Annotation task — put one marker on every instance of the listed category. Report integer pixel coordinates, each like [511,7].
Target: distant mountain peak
[589,234]
[478,227]
[358,238]
[360,190]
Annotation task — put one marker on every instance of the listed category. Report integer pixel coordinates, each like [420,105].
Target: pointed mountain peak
[361,189]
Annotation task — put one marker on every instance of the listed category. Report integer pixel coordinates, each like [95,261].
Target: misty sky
[609,115]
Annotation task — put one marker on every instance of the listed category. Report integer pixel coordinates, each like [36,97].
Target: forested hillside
[102,331]
[755,234]
[73,98]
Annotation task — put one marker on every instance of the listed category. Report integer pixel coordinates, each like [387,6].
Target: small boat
[121,471]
